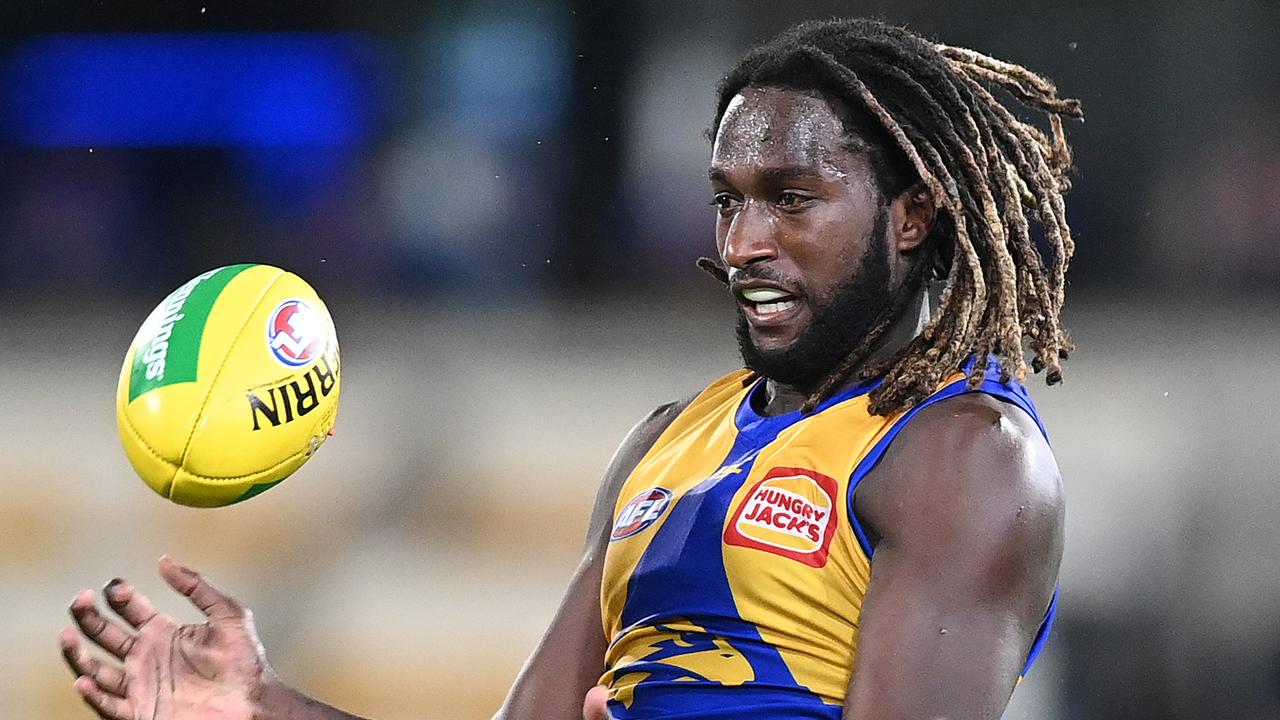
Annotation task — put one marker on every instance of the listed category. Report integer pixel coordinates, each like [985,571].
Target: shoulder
[629,453]
[642,437]
[970,465]
[980,439]
[646,432]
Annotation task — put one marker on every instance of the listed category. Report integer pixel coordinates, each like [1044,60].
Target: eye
[792,199]
[725,203]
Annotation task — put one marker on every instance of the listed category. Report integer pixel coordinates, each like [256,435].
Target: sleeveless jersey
[736,569]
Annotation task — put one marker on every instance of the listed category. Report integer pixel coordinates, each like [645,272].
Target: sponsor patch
[790,512]
[643,511]
[295,333]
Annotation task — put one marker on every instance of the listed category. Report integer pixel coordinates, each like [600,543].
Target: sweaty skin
[800,209]
[749,133]
[965,508]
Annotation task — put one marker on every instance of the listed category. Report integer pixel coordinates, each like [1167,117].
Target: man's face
[802,232]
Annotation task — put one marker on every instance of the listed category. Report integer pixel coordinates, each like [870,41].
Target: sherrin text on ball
[229,386]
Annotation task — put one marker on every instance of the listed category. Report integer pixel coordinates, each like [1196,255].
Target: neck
[780,399]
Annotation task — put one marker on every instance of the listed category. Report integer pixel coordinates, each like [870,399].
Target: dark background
[502,202]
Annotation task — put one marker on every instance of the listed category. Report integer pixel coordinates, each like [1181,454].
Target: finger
[215,604]
[107,706]
[106,634]
[108,677]
[129,604]
[595,706]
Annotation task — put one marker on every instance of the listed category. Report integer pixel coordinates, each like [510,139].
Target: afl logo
[295,333]
[643,511]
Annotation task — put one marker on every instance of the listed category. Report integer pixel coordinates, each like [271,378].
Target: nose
[749,238]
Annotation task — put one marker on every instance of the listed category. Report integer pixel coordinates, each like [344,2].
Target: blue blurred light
[211,89]
[505,77]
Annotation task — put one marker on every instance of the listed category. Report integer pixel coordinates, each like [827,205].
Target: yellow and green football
[230,385]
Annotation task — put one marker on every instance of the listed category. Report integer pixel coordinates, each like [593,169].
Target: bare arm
[570,658]
[967,506]
[217,670]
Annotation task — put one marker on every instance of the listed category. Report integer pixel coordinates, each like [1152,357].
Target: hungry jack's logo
[790,512]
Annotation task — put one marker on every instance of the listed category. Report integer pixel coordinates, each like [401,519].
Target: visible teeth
[775,307]
[763,295]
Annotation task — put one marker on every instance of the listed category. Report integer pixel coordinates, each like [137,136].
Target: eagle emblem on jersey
[790,512]
[679,651]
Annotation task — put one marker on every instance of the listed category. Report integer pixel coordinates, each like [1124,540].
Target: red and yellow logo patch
[643,511]
[791,512]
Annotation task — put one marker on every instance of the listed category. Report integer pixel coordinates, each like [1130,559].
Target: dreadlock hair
[924,112]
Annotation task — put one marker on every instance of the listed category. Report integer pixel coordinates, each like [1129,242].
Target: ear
[911,216]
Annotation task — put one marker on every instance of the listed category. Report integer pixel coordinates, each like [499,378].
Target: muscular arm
[569,659]
[967,507]
[217,670]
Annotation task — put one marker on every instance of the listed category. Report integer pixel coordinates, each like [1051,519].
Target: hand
[595,705]
[211,671]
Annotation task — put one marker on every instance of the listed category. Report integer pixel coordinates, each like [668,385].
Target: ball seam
[213,382]
[128,425]
[255,473]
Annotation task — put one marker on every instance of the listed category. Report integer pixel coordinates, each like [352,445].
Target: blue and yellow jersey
[736,569]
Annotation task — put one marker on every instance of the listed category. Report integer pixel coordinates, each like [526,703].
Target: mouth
[767,305]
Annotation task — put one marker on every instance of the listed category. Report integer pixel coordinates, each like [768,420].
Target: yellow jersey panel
[736,569]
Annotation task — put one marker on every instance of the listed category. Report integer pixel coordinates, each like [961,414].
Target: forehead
[768,126]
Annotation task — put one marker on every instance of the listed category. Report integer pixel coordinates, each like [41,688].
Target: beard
[837,325]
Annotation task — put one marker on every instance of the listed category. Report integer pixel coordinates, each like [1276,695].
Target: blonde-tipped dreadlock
[926,112]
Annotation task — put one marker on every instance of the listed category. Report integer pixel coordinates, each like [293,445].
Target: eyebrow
[786,172]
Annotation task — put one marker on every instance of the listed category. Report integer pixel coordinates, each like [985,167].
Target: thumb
[595,704]
[215,604]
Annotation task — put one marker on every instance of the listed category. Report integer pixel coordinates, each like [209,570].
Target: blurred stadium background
[501,202]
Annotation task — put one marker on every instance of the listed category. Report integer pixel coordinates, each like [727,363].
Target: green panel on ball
[257,490]
[171,352]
